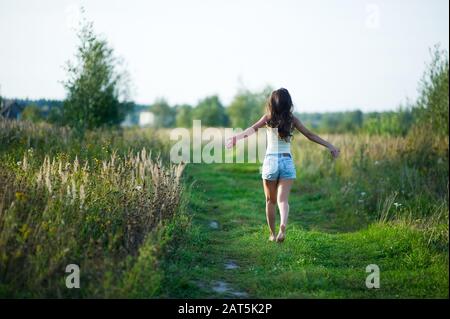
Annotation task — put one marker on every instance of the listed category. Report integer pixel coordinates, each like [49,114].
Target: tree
[32,113]
[247,107]
[351,122]
[211,112]
[164,114]
[55,115]
[433,103]
[96,90]
[184,115]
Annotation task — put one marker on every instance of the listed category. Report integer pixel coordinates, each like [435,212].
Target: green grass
[324,256]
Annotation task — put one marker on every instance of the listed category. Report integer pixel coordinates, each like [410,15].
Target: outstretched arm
[247,132]
[315,138]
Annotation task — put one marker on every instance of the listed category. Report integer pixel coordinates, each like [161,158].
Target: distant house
[10,109]
[146,118]
[139,118]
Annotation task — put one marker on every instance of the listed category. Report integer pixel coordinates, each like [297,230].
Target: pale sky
[332,55]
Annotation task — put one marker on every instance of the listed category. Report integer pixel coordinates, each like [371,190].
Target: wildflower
[138,187]
[44,225]
[397,205]
[363,193]
[20,196]
[25,230]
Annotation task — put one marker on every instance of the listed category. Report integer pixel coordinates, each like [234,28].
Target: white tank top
[275,144]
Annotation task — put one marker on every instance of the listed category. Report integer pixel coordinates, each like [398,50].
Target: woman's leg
[270,190]
[284,188]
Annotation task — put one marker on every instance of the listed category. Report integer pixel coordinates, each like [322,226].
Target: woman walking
[278,171]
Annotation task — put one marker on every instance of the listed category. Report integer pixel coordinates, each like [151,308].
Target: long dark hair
[279,112]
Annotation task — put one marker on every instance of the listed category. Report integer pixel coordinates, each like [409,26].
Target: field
[138,226]
[97,196]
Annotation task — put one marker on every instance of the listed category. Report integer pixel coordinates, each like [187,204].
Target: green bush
[32,113]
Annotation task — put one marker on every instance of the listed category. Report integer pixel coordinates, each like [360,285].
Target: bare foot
[272,237]
[281,234]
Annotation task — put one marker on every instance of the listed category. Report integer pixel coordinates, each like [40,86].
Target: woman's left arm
[315,138]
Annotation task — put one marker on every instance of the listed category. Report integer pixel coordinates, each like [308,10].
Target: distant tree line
[246,108]
[387,122]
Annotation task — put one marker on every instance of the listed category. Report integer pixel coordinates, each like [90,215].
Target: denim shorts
[277,166]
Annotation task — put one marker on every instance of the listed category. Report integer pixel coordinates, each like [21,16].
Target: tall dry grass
[100,214]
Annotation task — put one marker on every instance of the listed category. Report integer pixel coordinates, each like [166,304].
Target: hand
[334,152]
[230,142]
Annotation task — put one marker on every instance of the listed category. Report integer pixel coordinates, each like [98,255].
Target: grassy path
[227,254]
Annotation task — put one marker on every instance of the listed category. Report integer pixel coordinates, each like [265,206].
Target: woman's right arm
[247,132]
